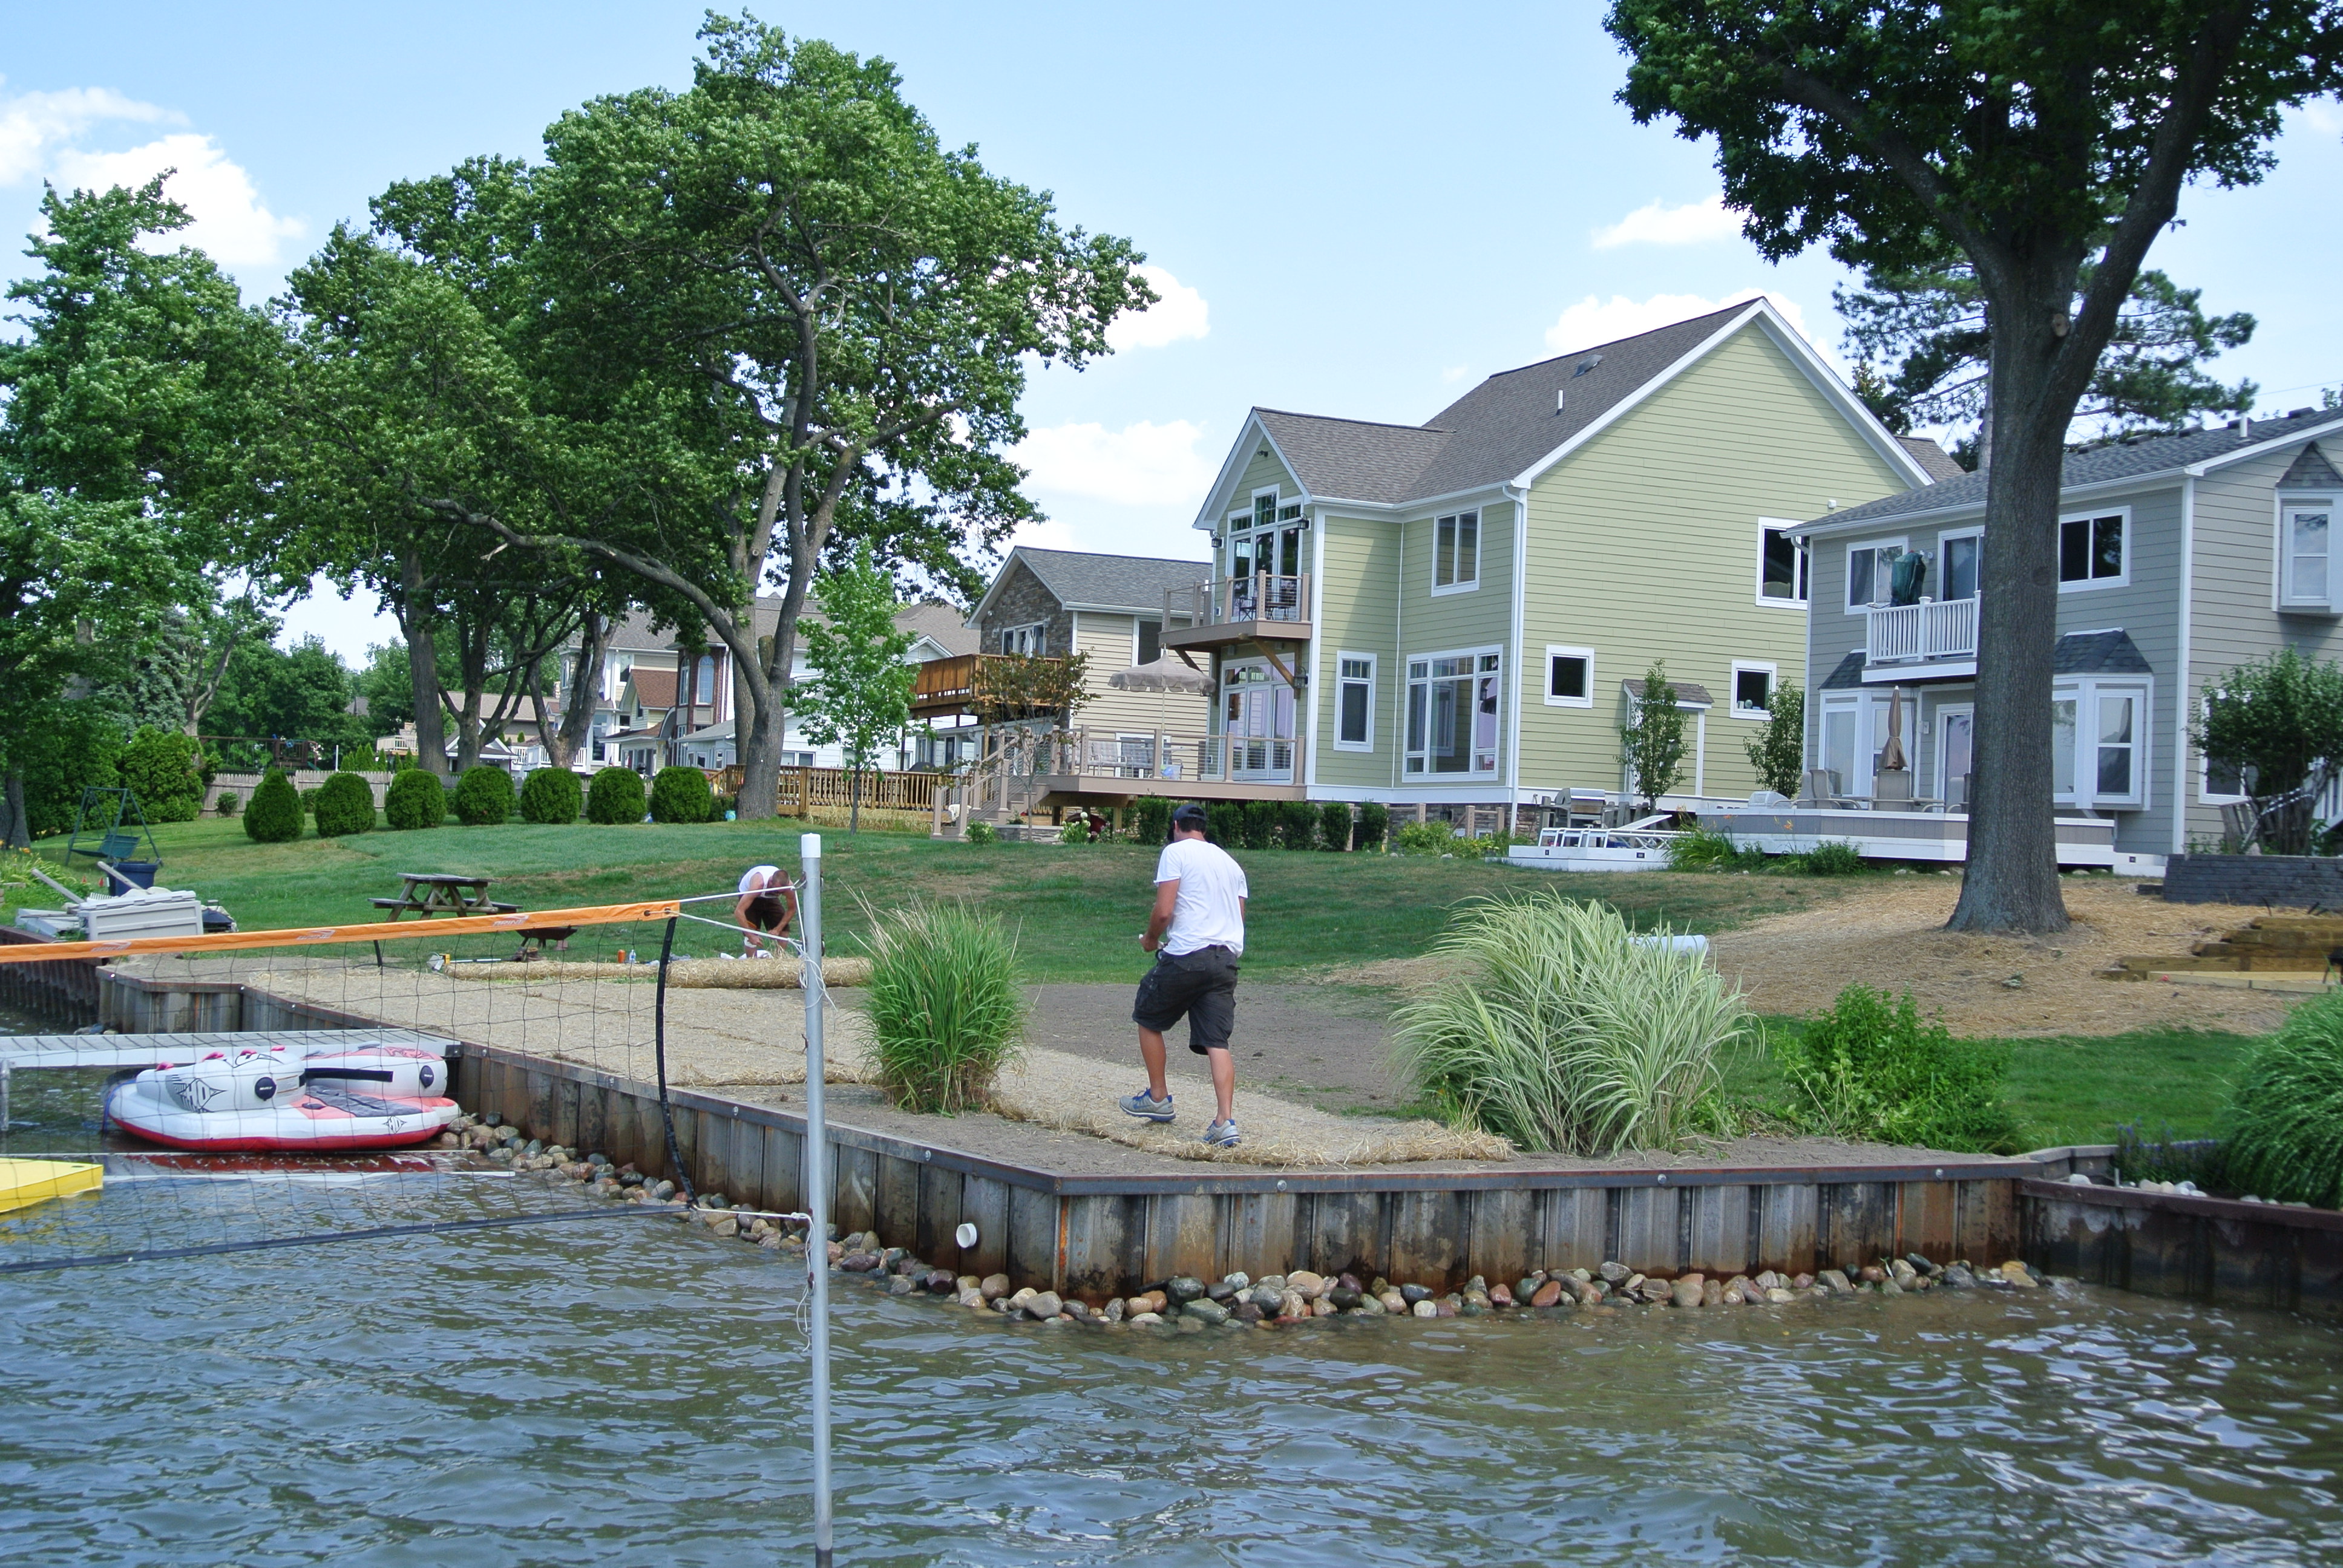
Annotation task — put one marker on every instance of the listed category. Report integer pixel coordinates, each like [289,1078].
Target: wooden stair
[2273,944]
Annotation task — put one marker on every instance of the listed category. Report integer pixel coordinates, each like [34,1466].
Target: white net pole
[817,1188]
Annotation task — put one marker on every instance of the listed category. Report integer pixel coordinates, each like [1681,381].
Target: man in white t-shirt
[768,904]
[1197,935]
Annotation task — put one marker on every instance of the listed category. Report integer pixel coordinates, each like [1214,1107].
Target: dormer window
[2306,543]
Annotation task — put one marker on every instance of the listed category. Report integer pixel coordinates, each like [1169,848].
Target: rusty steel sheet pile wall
[2211,1250]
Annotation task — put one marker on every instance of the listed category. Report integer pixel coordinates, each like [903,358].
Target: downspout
[2182,685]
[1521,654]
[1317,610]
[1399,655]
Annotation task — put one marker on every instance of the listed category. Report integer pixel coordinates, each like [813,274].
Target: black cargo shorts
[1200,987]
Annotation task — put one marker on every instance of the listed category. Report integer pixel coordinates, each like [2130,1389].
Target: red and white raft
[255,1101]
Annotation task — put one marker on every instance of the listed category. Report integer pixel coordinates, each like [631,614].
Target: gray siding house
[2179,558]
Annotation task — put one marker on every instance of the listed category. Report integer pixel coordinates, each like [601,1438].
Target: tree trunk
[569,743]
[472,664]
[423,682]
[2012,882]
[15,832]
[854,804]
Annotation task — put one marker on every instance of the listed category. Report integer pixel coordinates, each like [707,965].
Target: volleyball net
[253,1090]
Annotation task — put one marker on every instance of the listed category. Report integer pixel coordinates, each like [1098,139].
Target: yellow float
[25,1182]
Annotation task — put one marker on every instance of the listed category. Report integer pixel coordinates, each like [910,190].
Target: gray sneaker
[1146,1107]
[1223,1135]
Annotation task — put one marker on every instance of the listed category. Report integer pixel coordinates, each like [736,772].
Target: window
[1456,553]
[1025,639]
[1963,558]
[1866,573]
[1781,566]
[1354,702]
[1569,677]
[2098,745]
[2091,551]
[1753,690]
[2304,573]
[1839,750]
[1150,646]
[2118,720]
[1452,713]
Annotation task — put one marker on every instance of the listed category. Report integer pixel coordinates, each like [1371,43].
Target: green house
[1457,616]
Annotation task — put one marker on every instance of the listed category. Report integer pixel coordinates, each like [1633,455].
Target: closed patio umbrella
[1891,756]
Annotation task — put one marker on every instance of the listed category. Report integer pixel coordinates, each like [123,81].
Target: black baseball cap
[1187,816]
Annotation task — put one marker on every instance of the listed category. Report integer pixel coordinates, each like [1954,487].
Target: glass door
[1957,754]
[1257,717]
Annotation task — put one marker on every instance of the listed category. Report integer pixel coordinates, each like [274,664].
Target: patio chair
[1892,787]
[1821,789]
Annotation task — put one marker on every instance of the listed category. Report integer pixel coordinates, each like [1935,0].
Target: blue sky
[1360,209]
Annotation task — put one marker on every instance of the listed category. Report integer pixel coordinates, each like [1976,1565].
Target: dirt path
[1891,936]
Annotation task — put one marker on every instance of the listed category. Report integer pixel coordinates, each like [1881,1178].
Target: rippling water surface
[630,1393]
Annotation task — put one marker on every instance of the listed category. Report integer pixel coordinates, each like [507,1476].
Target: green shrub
[1558,1032]
[162,769]
[344,805]
[982,833]
[416,798]
[1224,823]
[309,799]
[2168,1158]
[1334,825]
[1154,822]
[551,796]
[945,1005]
[2282,1131]
[1374,824]
[1831,857]
[1257,829]
[616,796]
[1297,824]
[274,815]
[1870,1067]
[1699,849]
[484,797]
[680,794]
[1432,837]
[229,802]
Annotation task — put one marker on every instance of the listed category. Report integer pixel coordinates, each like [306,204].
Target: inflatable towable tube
[257,1102]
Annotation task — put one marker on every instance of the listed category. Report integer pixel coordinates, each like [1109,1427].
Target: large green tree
[811,320]
[1924,349]
[2033,138]
[859,696]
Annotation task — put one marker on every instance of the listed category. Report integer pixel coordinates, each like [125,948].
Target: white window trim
[1480,549]
[1341,680]
[1554,650]
[1041,630]
[1974,531]
[2281,557]
[1137,622]
[1847,569]
[1732,709]
[2085,691]
[1806,559]
[1406,681]
[2091,585]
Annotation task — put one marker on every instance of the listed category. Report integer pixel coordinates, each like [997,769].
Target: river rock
[1248,1310]
[1712,1293]
[1395,1303]
[1890,1288]
[940,1283]
[1311,1285]
[1547,1295]
[1044,1305]
[1412,1294]
[1204,1312]
[1958,1278]
[1237,1280]
[1343,1297]
[858,1262]
[2017,1274]
[994,1286]
[1147,1301]
[1188,1324]
[1837,1282]
[1501,1295]
[1372,1306]
[1323,1307]
[1777,1295]
[1272,1283]
[1183,1288]
[1138,1320]
[1079,1310]
[1113,1312]
[1902,1274]
[1025,1294]
[1768,1280]
[1799,1282]
[1871,1273]
[1292,1304]
[1614,1273]
[1921,1265]
[974,1298]
[724,1224]
[1425,1308]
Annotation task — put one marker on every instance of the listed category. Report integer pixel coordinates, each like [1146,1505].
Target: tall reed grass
[2282,1131]
[945,1008]
[1560,1032]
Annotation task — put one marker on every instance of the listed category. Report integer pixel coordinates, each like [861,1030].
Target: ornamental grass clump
[2282,1132]
[1560,1030]
[946,1010]
[1870,1067]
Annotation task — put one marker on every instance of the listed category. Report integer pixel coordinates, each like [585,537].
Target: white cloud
[32,125]
[1140,465]
[1694,222]
[1592,320]
[1454,374]
[2322,115]
[230,223]
[1179,312]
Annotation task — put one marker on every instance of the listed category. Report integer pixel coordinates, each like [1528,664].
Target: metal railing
[1220,601]
[1918,633]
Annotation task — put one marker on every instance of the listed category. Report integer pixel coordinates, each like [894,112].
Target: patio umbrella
[1162,675]
[1891,756]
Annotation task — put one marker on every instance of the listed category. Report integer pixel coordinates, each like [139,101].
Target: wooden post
[805,792]
[935,813]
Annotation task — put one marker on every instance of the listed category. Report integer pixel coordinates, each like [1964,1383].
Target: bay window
[2098,744]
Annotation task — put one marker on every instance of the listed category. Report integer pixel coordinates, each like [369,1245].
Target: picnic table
[430,893]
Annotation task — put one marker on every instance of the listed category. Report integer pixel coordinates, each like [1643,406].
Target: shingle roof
[1685,690]
[2096,466]
[2111,652]
[1931,457]
[1492,434]
[1109,582]
[2310,471]
[943,623]
[653,687]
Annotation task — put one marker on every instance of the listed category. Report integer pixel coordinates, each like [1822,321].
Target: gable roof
[1077,579]
[2108,463]
[1931,457]
[1518,422]
[941,624]
[653,687]
[2310,470]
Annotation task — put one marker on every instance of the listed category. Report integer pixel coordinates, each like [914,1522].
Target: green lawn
[1078,908]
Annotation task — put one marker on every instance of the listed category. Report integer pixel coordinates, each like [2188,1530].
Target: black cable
[659,1047]
[425,1228]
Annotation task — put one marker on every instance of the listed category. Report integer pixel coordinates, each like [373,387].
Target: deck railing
[1219,602]
[954,681]
[1919,633]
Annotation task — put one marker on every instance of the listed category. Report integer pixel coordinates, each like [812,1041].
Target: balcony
[1906,641]
[1225,610]
[956,685]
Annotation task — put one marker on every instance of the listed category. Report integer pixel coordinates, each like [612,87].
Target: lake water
[630,1390]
